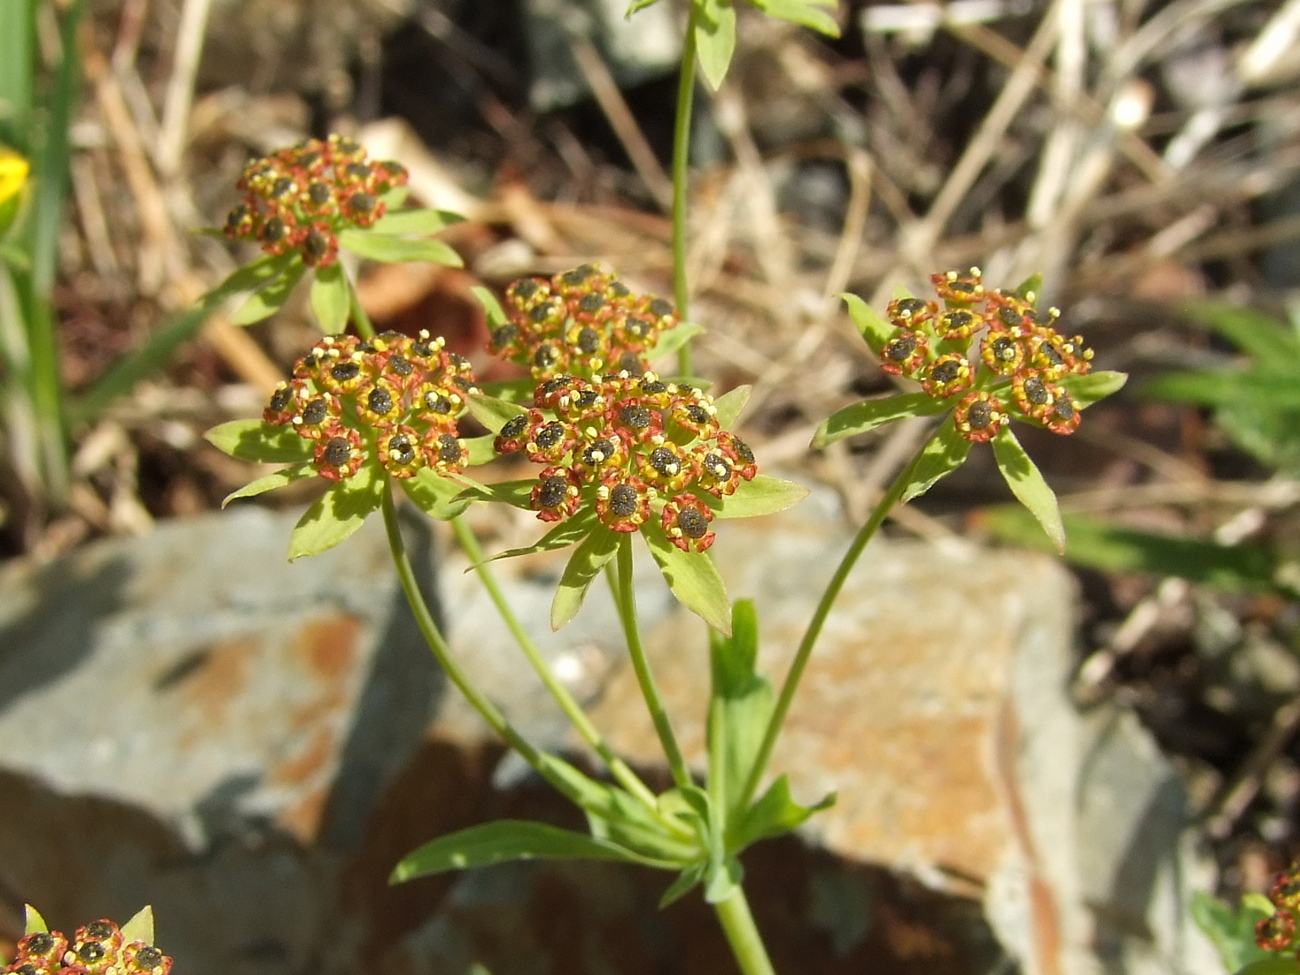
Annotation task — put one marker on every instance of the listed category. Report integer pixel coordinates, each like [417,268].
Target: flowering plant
[627,442]
[97,948]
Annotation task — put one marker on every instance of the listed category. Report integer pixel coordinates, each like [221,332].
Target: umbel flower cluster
[629,445]
[301,197]
[1277,932]
[97,948]
[392,400]
[583,322]
[1014,372]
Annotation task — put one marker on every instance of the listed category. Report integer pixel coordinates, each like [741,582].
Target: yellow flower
[13,174]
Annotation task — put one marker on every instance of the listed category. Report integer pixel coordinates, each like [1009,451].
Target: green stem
[818,621]
[742,934]
[625,600]
[540,761]
[681,161]
[365,327]
[572,710]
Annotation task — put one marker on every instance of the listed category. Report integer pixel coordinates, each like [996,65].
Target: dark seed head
[448,449]
[318,192]
[400,364]
[550,435]
[591,302]
[898,349]
[665,462]
[946,371]
[401,449]
[436,402]
[503,335]
[361,203]
[546,356]
[315,412]
[597,452]
[515,426]
[623,500]
[588,340]
[1035,391]
[346,370]
[149,957]
[380,401]
[38,943]
[90,951]
[578,274]
[526,288]
[281,399]
[660,308]
[338,451]
[273,230]
[980,415]
[553,492]
[635,417]
[1063,407]
[692,522]
[316,245]
[742,451]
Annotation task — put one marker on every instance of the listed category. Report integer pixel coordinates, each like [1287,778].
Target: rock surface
[251,745]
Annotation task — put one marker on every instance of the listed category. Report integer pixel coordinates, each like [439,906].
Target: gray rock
[189,720]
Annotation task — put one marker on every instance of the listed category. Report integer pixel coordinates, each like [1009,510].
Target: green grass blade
[17,70]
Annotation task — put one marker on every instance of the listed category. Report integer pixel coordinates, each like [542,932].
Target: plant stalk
[625,600]
[619,769]
[681,183]
[742,935]
[818,621]
[365,327]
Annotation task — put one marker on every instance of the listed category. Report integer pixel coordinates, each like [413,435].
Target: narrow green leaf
[438,497]
[740,706]
[33,923]
[260,441]
[268,300]
[715,38]
[419,222]
[1259,335]
[585,564]
[480,450]
[729,405]
[496,315]
[775,814]
[816,14]
[764,495]
[338,513]
[686,881]
[1232,932]
[1091,387]
[331,298]
[568,532]
[1032,285]
[492,412]
[869,414]
[140,927]
[672,340]
[874,329]
[692,577]
[942,454]
[1096,544]
[517,494]
[1027,484]
[250,277]
[270,482]
[502,841]
[393,250]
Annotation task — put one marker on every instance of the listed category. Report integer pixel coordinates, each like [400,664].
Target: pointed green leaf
[502,841]
[764,495]
[338,513]
[250,276]
[419,222]
[869,414]
[511,390]
[331,298]
[480,450]
[517,494]
[715,38]
[1032,285]
[438,497]
[1259,335]
[270,482]
[874,329]
[140,927]
[568,532]
[942,454]
[816,14]
[1233,932]
[266,301]
[1027,484]
[1091,387]
[260,441]
[740,705]
[729,405]
[775,814]
[33,923]
[496,315]
[393,250]
[493,413]
[692,577]
[584,565]
[672,340]
[686,881]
